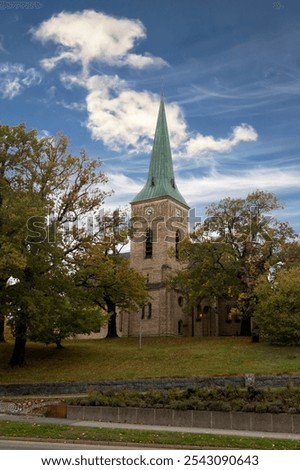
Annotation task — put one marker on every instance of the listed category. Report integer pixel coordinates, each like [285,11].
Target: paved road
[14,444]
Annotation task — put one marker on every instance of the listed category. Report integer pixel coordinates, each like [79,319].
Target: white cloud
[122,184]
[201,191]
[14,78]
[73,106]
[243,133]
[121,117]
[124,190]
[216,186]
[124,118]
[70,81]
[10,87]
[88,36]
[202,144]
[2,48]
[142,61]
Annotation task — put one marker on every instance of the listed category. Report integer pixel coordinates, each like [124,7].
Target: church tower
[159,216]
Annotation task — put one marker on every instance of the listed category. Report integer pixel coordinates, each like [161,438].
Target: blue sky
[229,69]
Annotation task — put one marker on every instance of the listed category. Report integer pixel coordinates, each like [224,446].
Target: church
[159,215]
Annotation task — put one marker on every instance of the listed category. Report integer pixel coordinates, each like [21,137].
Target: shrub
[218,405]
[255,394]
[248,408]
[261,408]
[238,404]
[213,399]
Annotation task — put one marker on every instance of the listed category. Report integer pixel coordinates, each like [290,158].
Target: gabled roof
[161,180]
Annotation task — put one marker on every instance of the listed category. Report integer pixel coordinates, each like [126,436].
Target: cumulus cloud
[124,118]
[202,144]
[14,78]
[121,117]
[88,36]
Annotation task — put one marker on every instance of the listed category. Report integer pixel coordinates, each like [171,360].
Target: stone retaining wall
[70,388]
[268,422]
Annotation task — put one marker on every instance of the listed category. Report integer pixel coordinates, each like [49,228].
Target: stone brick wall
[64,388]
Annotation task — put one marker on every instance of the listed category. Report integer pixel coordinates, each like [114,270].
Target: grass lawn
[120,358]
[171,439]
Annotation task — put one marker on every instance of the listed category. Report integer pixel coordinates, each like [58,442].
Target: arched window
[149,241]
[177,240]
[143,313]
[207,309]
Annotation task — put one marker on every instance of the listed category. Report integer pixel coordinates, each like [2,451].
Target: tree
[237,242]
[112,284]
[17,202]
[277,313]
[209,272]
[45,192]
[53,306]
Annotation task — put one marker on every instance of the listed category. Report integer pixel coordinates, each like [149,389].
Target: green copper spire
[161,181]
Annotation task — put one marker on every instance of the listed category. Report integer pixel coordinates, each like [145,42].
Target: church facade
[159,215]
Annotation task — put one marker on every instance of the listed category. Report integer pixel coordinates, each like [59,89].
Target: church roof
[161,180]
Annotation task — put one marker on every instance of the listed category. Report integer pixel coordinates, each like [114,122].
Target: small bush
[248,408]
[254,394]
[238,404]
[274,408]
[261,408]
[217,405]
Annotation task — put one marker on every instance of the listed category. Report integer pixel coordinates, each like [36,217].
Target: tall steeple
[161,180]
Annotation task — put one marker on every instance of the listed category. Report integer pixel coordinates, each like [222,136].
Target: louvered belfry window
[149,243]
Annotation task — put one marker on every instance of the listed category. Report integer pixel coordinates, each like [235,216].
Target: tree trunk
[2,316]
[18,355]
[2,323]
[246,326]
[58,344]
[112,322]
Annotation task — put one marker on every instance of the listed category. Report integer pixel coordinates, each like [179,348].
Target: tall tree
[45,192]
[238,241]
[277,313]
[17,201]
[112,284]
